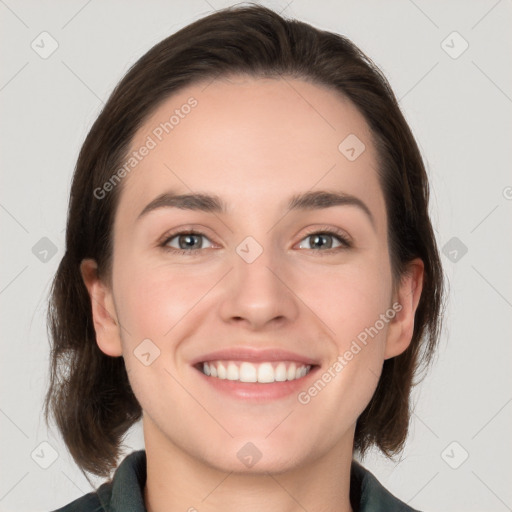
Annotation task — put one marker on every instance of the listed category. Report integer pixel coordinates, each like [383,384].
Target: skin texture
[255,143]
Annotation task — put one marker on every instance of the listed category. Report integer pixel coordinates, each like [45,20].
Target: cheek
[151,301]
[353,304]
[154,303]
[348,299]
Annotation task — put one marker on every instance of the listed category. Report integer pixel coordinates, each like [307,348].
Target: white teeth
[249,372]
[292,372]
[280,372]
[232,371]
[265,373]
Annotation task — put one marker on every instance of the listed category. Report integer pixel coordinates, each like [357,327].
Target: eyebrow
[315,200]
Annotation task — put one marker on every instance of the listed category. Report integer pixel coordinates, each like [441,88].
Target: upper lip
[255,355]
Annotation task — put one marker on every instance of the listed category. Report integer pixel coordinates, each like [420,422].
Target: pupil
[189,240]
[318,238]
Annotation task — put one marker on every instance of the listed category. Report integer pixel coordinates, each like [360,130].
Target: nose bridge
[256,291]
[255,266]
[254,261]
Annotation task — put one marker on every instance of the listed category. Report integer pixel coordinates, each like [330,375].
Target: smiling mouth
[263,373]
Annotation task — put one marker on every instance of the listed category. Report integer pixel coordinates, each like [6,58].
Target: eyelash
[346,244]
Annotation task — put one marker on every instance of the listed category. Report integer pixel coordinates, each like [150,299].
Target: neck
[178,481]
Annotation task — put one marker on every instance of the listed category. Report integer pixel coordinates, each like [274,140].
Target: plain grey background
[449,65]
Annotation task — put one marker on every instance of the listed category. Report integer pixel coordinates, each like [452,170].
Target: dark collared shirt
[125,493]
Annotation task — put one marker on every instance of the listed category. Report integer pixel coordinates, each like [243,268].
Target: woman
[251,269]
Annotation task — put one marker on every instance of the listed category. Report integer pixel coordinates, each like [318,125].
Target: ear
[103,310]
[405,303]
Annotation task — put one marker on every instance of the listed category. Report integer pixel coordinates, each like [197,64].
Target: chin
[255,456]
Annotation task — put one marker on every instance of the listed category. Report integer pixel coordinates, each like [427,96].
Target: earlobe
[106,325]
[407,297]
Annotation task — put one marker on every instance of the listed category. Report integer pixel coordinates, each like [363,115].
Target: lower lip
[258,391]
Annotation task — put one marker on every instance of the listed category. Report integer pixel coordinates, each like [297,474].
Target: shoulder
[124,493]
[370,495]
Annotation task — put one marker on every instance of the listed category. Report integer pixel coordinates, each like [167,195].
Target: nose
[260,293]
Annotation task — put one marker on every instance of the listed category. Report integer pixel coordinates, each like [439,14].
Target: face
[269,281]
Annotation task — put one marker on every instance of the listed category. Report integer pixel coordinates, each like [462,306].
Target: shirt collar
[125,493]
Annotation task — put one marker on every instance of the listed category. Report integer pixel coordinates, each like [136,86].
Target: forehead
[254,142]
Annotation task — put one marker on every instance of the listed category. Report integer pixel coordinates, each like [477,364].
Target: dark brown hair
[89,394]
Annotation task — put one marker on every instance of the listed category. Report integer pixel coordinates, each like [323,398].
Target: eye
[185,242]
[323,240]
[191,242]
